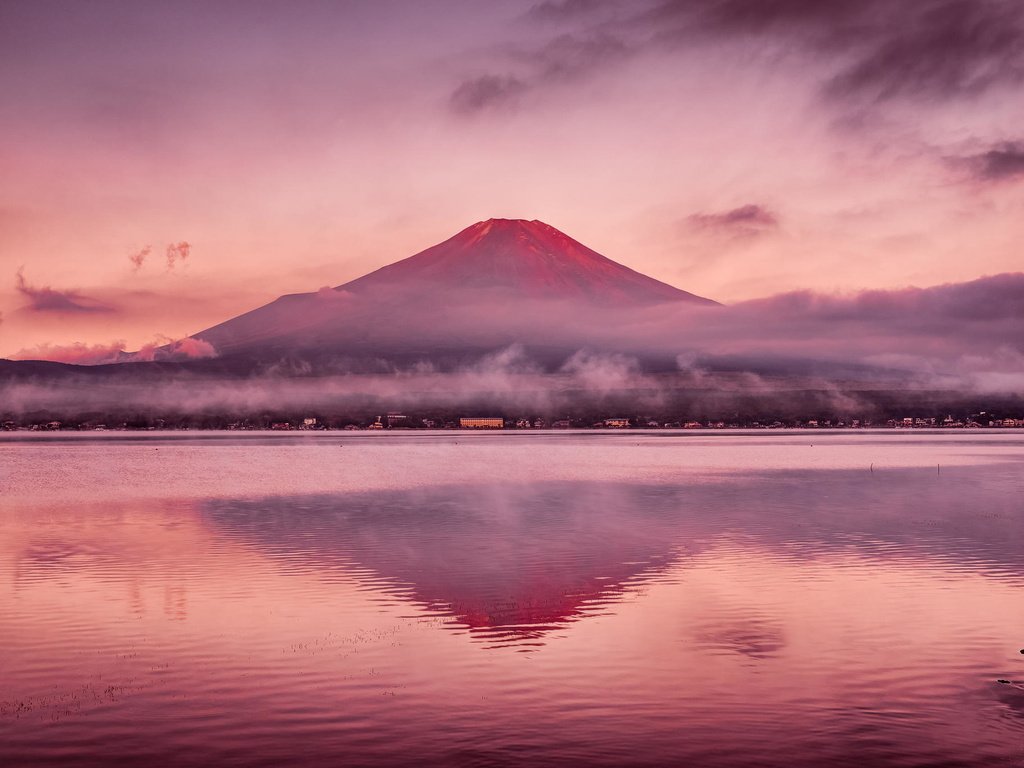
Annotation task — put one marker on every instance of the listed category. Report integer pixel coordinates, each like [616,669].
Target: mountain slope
[470,291]
[529,257]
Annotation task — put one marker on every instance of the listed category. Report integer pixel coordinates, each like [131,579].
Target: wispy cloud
[1004,162]
[177,253]
[875,51]
[935,51]
[569,56]
[76,353]
[746,220]
[139,257]
[869,51]
[79,353]
[751,16]
[164,348]
[486,92]
[563,59]
[47,299]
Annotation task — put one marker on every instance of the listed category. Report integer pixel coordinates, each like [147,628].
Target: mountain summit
[496,282]
[530,258]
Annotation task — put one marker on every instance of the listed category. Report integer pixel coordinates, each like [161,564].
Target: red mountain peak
[529,258]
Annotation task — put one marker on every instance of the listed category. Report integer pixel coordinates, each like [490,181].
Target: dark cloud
[1002,163]
[942,324]
[930,49]
[748,219]
[937,50]
[1000,297]
[756,15]
[869,51]
[486,92]
[46,299]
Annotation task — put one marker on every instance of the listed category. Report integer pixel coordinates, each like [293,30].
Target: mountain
[529,258]
[515,317]
[468,292]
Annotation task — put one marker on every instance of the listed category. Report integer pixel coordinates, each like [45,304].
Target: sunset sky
[165,166]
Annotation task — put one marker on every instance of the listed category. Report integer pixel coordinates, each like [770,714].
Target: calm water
[512,599]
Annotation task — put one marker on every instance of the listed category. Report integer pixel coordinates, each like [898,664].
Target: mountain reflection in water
[510,562]
[514,561]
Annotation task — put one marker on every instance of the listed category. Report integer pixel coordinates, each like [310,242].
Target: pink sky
[733,148]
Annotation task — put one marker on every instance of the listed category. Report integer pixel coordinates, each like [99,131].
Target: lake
[523,598]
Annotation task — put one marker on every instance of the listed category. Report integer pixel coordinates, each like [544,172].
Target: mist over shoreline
[587,386]
[515,317]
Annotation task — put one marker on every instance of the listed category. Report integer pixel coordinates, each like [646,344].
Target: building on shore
[481,422]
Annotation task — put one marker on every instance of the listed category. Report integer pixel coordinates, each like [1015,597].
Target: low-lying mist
[797,355]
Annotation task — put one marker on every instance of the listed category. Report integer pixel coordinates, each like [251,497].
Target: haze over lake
[729,599]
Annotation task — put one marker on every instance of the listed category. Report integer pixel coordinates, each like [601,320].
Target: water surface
[504,599]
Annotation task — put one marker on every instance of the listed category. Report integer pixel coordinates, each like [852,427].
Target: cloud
[139,257]
[76,353]
[937,50]
[327,293]
[166,349]
[177,253]
[193,348]
[868,51]
[747,220]
[936,325]
[916,49]
[573,56]
[565,58]
[1000,297]
[731,16]
[562,10]
[1004,162]
[47,299]
[921,330]
[787,353]
[602,372]
[79,353]
[487,92]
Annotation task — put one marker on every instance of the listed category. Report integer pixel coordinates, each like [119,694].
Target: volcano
[527,258]
[496,282]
